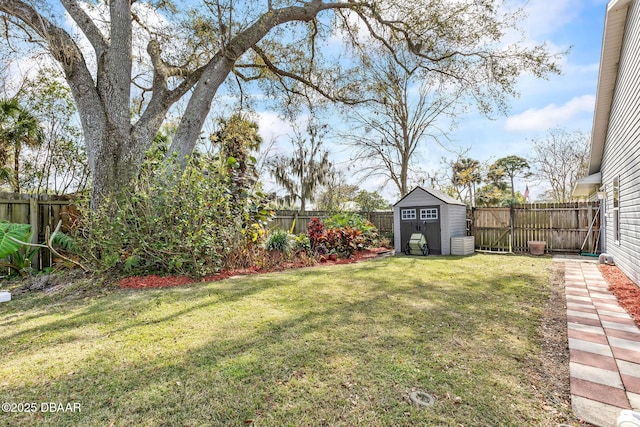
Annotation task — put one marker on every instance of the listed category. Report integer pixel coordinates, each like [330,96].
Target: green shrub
[173,221]
[302,244]
[353,220]
[344,241]
[19,255]
[279,240]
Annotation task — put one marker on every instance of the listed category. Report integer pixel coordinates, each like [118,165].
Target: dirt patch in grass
[551,375]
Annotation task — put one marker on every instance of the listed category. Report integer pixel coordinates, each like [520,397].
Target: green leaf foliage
[353,220]
[20,232]
[64,241]
[279,240]
[188,221]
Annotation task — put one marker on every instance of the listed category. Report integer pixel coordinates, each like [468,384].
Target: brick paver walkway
[604,344]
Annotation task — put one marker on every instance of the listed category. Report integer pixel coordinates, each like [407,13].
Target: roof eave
[432,192]
[588,185]
[615,21]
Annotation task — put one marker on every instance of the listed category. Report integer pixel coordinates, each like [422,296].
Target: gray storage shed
[436,215]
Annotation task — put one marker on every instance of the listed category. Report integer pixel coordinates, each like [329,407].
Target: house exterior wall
[621,157]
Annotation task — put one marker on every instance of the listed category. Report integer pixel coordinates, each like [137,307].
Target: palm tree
[8,112]
[466,174]
[17,127]
[7,175]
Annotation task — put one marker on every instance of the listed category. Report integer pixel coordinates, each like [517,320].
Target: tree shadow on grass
[366,338]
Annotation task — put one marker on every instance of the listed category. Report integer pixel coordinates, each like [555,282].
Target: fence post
[33,220]
[511,226]
[590,232]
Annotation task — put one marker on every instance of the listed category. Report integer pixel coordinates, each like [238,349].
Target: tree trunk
[114,165]
[16,166]
[114,145]
[513,192]
[198,108]
[404,176]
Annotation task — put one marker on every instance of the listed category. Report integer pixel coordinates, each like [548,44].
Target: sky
[566,101]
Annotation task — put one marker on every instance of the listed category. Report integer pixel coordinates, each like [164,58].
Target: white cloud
[29,65]
[545,17]
[273,129]
[550,116]
[588,69]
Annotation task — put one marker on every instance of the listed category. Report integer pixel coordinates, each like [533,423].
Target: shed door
[421,219]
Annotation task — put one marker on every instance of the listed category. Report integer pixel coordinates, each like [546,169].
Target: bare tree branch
[305,81]
[86,24]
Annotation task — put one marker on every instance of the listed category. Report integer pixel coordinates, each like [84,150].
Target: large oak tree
[200,44]
[402,111]
[561,159]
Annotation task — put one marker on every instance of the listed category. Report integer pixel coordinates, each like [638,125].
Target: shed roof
[435,193]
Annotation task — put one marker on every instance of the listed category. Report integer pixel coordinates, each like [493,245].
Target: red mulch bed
[155,281]
[627,292]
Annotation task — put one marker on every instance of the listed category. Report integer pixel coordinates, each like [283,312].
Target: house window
[430,213]
[408,214]
[616,209]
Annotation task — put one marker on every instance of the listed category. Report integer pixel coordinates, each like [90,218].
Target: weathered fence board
[564,227]
[41,211]
[285,220]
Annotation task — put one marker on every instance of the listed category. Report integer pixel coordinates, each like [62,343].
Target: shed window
[430,213]
[408,214]
[616,208]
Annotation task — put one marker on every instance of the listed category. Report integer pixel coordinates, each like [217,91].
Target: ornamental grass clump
[279,240]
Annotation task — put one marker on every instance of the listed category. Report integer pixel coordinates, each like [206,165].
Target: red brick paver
[604,344]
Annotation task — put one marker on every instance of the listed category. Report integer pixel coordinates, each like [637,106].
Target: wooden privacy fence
[40,211]
[46,210]
[565,227]
[285,220]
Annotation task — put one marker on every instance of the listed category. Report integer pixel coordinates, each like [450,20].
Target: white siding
[445,228]
[458,220]
[622,153]
[397,238]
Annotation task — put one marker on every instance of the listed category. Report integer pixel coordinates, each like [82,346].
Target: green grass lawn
[341,345]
